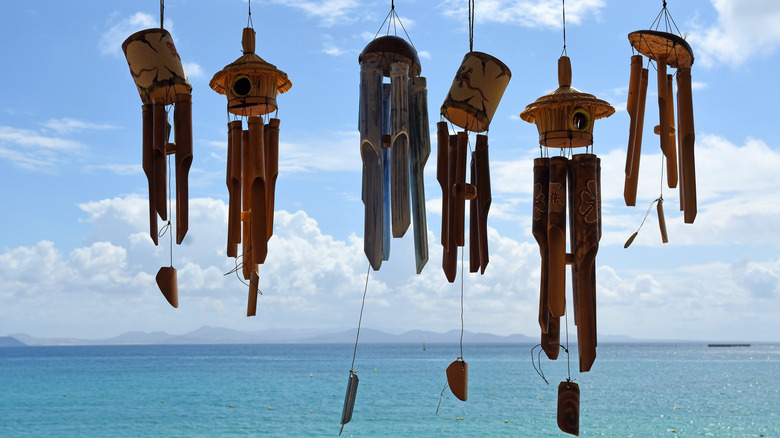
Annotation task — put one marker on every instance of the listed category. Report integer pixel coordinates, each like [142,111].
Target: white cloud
[307,157]
[193,70]
[329,12]
[745,28]
[110,42]
[31,150]
[527,13]
[68,125]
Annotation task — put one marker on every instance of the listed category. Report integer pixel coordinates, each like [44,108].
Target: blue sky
[76,259]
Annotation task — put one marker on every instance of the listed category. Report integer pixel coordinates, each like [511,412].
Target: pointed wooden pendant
[168,284]
[458,379]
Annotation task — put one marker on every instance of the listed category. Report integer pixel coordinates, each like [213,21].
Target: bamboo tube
[450,259]
[551,340]
[459,190]
[271,171]
[671,158]
[484,197]
[385,157]
[663,116]
[630,185]
[160,133]
[584,216]
[234,187]
[399,123]
[473,222]
[572,195]
[182,120]
[632,107]
[370,124]
[685,108]
[680,173]
[442,171]
[148,166]
[419,151]
[539,230]
[662,220]
[251,303]
[257,190]
[246,218]
[556,236]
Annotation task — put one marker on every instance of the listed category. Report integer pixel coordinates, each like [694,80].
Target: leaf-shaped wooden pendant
[349,400]
[458,379]
[569,407]
[168,284]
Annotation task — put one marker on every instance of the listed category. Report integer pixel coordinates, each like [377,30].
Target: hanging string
[461,301]
[249,19]
[162,10]
[391,18]
[471,25]
[563,8]
[354,352]
[647,213]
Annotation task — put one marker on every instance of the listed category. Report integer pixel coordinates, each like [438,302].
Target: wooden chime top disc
[389,49]
[654,43]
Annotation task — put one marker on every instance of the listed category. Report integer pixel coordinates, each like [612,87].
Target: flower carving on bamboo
[556,197]
[540,203]
[589,202]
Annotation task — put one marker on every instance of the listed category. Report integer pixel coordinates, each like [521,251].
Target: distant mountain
[218,335]
[8,341]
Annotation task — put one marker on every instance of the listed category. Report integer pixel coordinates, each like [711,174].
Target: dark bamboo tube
[182,120]
[631,107]
[399,151]
[663,119]
[251,303]
[450,259]
[271,171]
[442,176]
[584,215]
[484,197]
[473,221]
[551,339]
[459,189]
[556,236]
[671,157]
[685,108]
[160,133]
[630,186]
[147,161]
[245,191]
[234,187]
[257,191]
[539,230]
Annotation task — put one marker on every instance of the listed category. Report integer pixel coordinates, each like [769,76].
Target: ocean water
[633,390]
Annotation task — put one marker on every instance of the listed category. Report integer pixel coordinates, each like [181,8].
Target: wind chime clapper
[394,147]
[472,100]
[666,49]
[251,85]
[565,119]
[159,76]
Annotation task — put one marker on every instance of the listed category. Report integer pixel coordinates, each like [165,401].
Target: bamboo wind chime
[163,86]
[394,145]
[473,98]
[251,85]
[665,49]
[564,119]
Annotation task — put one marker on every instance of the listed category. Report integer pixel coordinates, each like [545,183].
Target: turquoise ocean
[633,390]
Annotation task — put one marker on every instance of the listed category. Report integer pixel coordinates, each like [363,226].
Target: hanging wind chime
[394,147]
[251,85]
[472,100]
[665,49]
[565,119]
[394,144]
[159,76]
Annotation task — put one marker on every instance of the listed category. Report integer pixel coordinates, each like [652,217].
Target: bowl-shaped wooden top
[655,44]
[389,49]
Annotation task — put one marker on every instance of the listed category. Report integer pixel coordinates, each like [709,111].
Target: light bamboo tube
[671,156]
[556,236]
[257,191]
[182,119]
[662,220]
[271,171]
[663,116]
[688,163]
[399,123]
[631,181]
[631,107]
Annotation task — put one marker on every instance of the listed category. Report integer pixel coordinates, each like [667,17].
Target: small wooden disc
[569,407]
[653,43]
